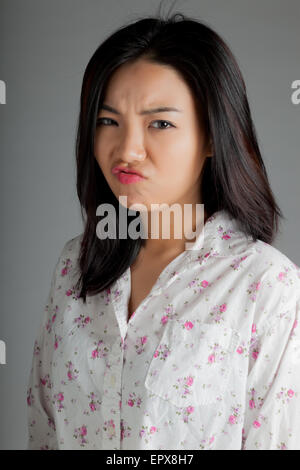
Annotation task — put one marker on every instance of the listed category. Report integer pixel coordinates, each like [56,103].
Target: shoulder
[277,286]
[67,268]
[72,246]
[275,264]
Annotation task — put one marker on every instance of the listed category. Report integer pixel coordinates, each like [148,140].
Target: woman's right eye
[100,121]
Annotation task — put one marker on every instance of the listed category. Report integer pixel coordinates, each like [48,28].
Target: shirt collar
[220,236]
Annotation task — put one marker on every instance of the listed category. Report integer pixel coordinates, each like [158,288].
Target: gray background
[45,46]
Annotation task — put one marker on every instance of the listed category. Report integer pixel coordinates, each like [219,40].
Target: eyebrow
[160,109]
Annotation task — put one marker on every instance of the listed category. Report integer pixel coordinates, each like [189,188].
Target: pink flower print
[252,403]
[59,397]
[94,403]
[188,325]
[295,324]
[240,350]
[36,349]
[80,433]
[67,267]
[162,352]
[253,328]
[190,409]
[204,283]
[182,385]
[189,381]
[95,353]
[256,424]
[100,350]
[134,400]
[232,419]
[255,354]
[217,312]
[139,344]
[30,398]
[211,358]
[53,317]
[164,319]
[281,276]
[169,310]
[82,321]
[226,236]
[252,290]
[69,292]
[152,429]
[125,429]
[56,341]
[71,374]
[290,393]
[211,439]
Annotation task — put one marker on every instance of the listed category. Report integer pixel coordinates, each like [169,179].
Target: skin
[171,156]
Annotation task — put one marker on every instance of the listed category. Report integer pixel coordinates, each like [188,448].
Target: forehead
[146,83]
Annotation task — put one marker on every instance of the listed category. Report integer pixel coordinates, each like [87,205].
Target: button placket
[112,397]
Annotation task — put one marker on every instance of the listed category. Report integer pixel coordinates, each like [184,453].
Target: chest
[143,278]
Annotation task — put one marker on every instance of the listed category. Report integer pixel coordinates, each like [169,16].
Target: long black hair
[234,178]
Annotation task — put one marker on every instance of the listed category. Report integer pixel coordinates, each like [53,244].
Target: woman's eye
[101,121]
[164,122]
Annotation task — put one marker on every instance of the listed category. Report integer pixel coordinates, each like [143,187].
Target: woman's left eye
[101,121]
[165,122]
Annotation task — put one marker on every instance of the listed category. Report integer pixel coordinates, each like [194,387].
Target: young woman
[145,344]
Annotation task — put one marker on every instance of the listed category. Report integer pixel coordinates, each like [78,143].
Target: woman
[146,344]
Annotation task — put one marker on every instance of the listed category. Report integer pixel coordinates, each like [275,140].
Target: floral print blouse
[209,360]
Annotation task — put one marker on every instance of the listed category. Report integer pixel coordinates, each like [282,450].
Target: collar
[220,237]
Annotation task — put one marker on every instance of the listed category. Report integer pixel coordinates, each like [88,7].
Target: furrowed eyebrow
[161,109]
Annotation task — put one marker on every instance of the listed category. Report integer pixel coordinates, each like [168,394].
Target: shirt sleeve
[40,415]
[272,412]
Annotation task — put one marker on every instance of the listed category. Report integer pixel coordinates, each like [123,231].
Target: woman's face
[168,148]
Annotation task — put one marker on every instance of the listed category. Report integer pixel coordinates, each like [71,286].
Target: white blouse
[209,360]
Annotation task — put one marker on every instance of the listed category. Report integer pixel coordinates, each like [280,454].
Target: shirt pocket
[191,367]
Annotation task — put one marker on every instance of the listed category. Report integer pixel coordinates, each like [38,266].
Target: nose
[131,150]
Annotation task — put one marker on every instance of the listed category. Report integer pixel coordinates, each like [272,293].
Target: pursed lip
[119,169]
